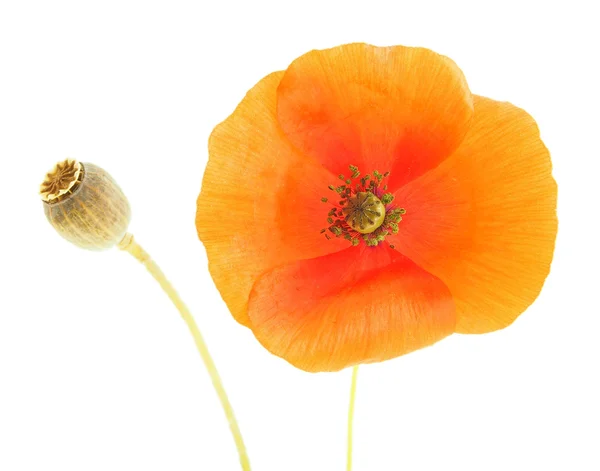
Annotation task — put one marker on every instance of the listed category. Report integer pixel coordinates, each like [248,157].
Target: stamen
[363,212]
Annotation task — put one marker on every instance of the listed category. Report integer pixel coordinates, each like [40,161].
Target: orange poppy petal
[360,305]
[484,221]
[260,200]
[398,108]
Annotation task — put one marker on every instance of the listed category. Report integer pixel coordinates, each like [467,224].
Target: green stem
[351,417]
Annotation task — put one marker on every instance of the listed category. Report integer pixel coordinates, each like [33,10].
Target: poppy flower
[363,204]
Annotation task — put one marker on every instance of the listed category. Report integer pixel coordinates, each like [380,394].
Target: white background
[98,372]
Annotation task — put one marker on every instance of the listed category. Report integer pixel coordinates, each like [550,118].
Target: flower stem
[351,416]
[128,244]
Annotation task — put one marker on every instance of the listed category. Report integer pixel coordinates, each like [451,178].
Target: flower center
[364,211]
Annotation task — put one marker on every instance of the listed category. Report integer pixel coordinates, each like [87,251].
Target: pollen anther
[364,212]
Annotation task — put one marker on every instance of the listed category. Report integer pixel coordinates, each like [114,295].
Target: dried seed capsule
[85,205]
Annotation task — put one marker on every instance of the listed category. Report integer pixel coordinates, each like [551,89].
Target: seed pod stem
[128,244]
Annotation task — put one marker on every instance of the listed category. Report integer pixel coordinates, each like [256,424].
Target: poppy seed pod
[85,205]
